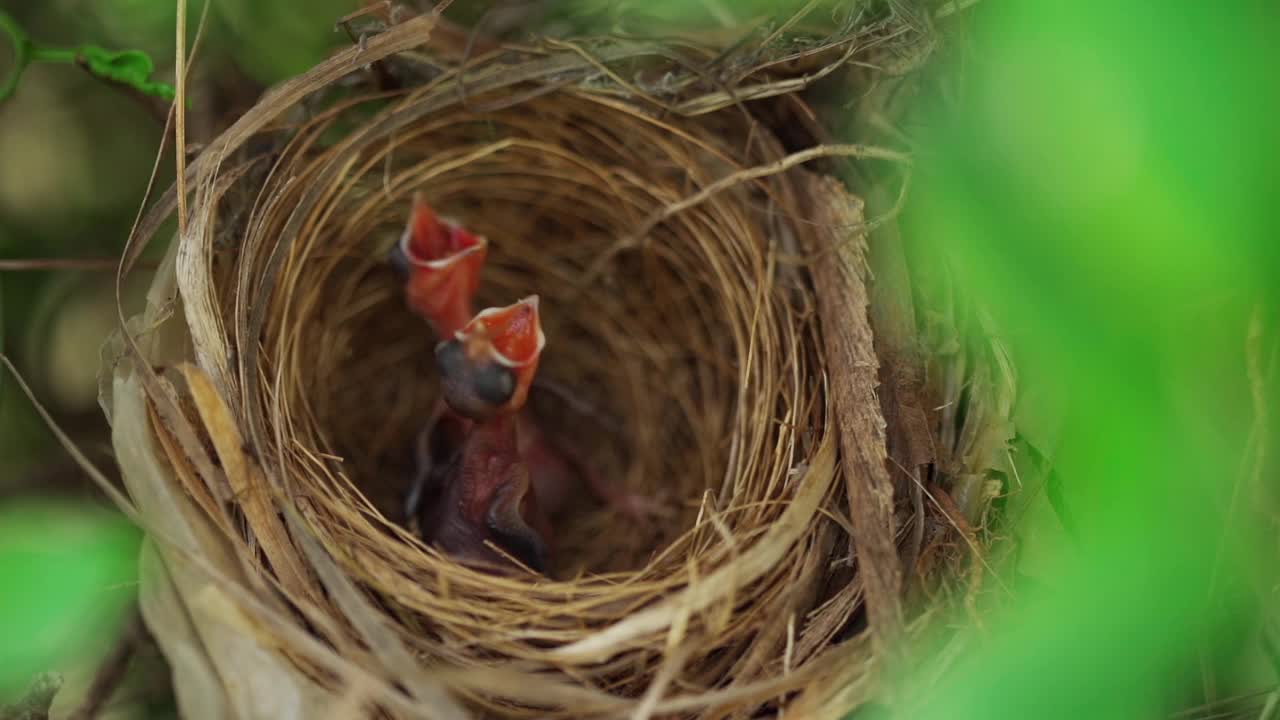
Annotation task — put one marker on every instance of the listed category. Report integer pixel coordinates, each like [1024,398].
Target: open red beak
[513,333]
[488,366]
[510,337]
[444,261]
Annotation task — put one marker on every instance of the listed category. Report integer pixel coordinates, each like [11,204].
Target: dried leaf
[248,484]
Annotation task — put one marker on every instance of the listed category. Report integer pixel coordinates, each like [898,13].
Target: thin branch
[733,180]
[88,264]
[180,115]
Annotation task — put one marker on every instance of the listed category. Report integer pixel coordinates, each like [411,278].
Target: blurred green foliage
[68,574]
[1103,187]
[75,154]
[1099,177]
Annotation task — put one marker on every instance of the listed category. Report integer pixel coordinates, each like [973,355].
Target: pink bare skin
[487,500]
[556,471]
[497,483]
[484,502]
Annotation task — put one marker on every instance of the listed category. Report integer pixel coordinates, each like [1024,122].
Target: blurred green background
[1098,173]
[75,155]
[1104,186]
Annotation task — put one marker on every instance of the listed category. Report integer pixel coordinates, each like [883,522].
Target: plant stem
[40,53]
[21,53]
[131,68]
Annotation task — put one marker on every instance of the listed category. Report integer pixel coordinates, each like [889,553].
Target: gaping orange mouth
[444,262]
[511,336]
[431,242]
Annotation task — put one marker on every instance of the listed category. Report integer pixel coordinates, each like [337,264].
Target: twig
[853,376]
[180,115]
[90,264]
[733,180]
[111,671]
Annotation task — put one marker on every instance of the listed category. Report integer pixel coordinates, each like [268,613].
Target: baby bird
[487,368]
[485,492]
[440,262]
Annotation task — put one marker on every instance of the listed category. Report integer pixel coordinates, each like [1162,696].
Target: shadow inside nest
[609,389]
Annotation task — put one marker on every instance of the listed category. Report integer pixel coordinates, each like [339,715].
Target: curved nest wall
[685,362]
[680,367]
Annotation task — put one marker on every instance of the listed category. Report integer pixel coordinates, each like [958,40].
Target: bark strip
[840,283]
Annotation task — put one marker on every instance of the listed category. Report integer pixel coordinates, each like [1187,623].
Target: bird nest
[704,297]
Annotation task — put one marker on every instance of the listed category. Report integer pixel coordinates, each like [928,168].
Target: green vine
[130,68]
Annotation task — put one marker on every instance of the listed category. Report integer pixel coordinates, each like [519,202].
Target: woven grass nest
[705,300]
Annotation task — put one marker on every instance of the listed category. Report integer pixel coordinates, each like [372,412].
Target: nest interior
[666,361]
[685,361]
[687,354]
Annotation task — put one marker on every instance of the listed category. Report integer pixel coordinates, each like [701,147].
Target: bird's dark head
[488,366]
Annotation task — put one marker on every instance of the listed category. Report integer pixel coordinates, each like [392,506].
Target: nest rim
[647,627]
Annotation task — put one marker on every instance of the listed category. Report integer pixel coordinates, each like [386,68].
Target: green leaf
[67,574]
[132,68]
